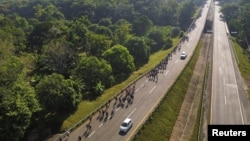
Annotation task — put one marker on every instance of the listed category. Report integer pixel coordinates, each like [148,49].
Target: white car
[183,55]
[126,125]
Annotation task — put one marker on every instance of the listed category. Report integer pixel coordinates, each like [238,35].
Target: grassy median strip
[160,124]
[86,107]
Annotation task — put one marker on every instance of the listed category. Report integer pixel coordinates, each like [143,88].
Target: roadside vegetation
[160,124]
[244,63]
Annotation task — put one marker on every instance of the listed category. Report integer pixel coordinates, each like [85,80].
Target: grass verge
[160,124]
[86,107]
[244,64]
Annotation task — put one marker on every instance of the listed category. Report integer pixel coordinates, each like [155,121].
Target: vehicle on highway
[183,55]
[126,125]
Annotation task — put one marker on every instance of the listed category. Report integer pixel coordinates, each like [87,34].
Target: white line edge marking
[176,61]
[100,125]
[117,109]
[91,134]
[137,90]
[166,73]
[225,100]
[152,89]
[237,91]
[131,113]
[142,85]
[220,70]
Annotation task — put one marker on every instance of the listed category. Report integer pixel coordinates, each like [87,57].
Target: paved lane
[226,104]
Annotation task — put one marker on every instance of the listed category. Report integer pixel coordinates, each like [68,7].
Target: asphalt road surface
[226,105]
[147,94]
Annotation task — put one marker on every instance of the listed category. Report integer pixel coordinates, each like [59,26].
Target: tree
[158,40]
[58,95]
[38,37]
[105,22]
[175,32]
[231,11]
[245,21]
[57,56]
[18,101]
[77,33]
[102,30]
[10,71]
[17,105]
[50,12]
[98,44]
[93,72]
[186,13]
[21,22]
[104,9]
[19,39]
[6,25]
[138,49]
[168,43]
[119,58]
[141,25]
[168,15]
[122,31]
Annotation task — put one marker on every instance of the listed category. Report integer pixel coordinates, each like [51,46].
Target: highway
[146,97]
[226,105]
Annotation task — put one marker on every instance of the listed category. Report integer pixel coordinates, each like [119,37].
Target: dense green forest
[56,53]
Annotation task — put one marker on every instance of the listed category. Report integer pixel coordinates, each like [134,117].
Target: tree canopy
[120,59]
[54,90]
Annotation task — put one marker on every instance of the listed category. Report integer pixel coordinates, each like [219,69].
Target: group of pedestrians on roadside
[152,75]
[127,98]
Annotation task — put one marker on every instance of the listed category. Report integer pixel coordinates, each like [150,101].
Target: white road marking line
[225,100]
[231,85]
[142,85]
[91,134]
[100,125]
[117,109]
[137,90]
[146,81]
[131,113]
[166,73]
[237,91]
[152,89]
[220,70]
[176,61]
